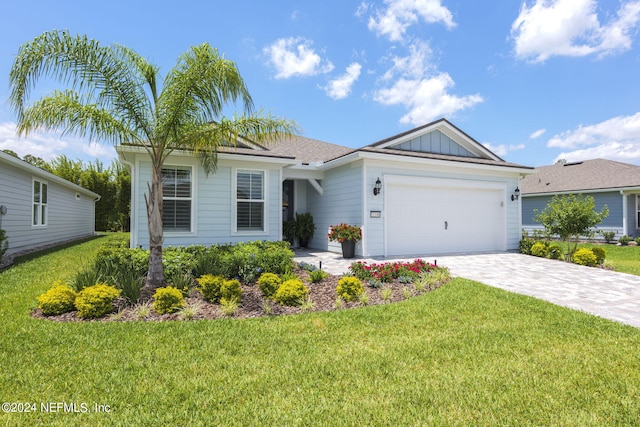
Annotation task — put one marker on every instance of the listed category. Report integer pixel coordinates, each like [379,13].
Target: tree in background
[113,95]
[570,216]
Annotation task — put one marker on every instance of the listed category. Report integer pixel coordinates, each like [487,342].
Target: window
[39,203]
[176,198]
[250,200]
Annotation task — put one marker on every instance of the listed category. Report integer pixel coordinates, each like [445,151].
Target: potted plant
[304,228]
[347,235]
[289,231]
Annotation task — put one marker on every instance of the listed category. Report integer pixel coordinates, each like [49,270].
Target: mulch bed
[322,294]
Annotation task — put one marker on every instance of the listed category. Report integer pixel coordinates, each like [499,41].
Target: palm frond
[99,72]
[197,89]
[67,111]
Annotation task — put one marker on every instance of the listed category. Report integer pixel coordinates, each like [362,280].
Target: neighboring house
[440,192]
[41,208]
[614,184]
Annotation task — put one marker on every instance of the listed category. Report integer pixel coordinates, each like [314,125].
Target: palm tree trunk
[155,276]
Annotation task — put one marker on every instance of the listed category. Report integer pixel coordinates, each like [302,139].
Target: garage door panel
[424,219]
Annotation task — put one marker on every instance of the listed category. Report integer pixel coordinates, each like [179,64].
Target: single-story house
[38,208]
[610,183]
[440,191]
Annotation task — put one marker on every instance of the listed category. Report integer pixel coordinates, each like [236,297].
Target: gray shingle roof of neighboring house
[588,175]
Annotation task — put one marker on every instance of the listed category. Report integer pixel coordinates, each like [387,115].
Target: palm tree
[113,95]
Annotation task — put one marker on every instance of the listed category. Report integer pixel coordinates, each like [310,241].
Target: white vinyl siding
[40,205]
[250,200]
[176,199]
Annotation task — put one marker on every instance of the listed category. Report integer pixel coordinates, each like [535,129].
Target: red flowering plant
[389,271]
[343,232]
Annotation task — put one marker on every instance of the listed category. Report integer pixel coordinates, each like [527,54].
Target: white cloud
[420,88]
[537,134]
[502,149]
[401,14]
[50,144]
[617,139]
[571,28]
[340,87]
[294,56]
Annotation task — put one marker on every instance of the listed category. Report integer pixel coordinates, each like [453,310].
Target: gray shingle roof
[308,150]
[597,174]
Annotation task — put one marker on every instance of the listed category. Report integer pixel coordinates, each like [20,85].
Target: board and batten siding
[633,228]
[376,169]
[341,202]
[212,204]
[71,213]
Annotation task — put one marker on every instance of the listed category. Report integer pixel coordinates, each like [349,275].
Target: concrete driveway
[604,293]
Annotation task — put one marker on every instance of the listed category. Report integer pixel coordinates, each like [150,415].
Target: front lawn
[465,354]
[625,259]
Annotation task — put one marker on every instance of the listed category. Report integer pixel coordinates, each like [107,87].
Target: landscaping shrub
[112,261]
[291,292]
[231,291]
[177,261]
[181,281]
[387,272]
[168,300]
[210,287]
[96,301]
[624,240]
[525,245]
[130,282]
[349,288]
[555,251]
[539,249]
[584,256]
[60,298]
[248,260]
[317,276]
[600,254]
[86,277]
[268,284]
[4,243]
[608,236]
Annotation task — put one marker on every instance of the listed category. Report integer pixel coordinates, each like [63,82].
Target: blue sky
[535,81]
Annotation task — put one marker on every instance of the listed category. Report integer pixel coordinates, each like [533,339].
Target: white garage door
[444,216]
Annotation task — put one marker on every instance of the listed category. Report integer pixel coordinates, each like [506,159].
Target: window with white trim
[176,199]
[40,211]
[250,206]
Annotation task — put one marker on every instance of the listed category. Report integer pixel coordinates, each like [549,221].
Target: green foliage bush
[96,301]
[349,288]
[624,240]
[600,253]
[60,298]
[584,256]
[168,300]
[291,292]
[231,290]
[4,243]
[539,249]
[317,276]
[87,276]
[210,286]
[608,236]
[555,251]
[268,284]
[525,245]
[177,261]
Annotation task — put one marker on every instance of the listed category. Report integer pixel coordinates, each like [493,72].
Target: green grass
[466,354]
[625,259]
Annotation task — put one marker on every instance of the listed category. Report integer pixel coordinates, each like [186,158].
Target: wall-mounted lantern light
[377,189]
[516,194]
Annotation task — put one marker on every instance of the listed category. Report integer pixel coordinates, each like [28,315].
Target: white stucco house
[40,209]
[440,191]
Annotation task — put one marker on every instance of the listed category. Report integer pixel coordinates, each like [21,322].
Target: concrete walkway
[604,293]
